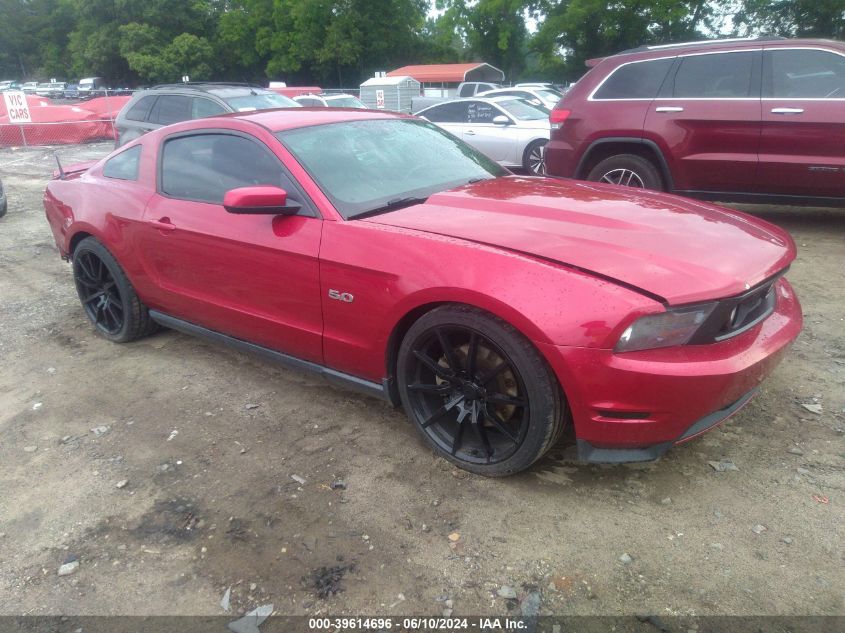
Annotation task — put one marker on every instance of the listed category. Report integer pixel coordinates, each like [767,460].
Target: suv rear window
[141,109]
[714,75]
[171,109]
[635,80]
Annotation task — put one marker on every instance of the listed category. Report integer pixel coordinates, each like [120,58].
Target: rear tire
[629,170]
[109,300]
[478,391]
[534,158]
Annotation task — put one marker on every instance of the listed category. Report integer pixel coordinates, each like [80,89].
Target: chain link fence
[57,121]
[63,121]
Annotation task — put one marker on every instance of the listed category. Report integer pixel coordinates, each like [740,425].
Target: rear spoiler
[77,169]
[594,61]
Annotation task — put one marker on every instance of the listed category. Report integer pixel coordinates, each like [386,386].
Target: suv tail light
[557,117]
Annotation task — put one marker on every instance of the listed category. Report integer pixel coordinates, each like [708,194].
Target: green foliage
[341,42]
[576,30]
[794,18]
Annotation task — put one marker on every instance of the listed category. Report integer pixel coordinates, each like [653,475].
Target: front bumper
[634,406]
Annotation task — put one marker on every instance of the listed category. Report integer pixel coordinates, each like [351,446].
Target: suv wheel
[629,170]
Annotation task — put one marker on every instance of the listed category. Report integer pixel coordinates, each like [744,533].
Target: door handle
[163,224]
[787,110]
[669,109]
[470,133]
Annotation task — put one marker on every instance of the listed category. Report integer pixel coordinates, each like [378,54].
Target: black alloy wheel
[99,293]
[107,296]
[467,393]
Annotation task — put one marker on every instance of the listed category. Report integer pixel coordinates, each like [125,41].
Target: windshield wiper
[390,205]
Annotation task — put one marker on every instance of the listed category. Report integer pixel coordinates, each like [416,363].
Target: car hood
[679,250]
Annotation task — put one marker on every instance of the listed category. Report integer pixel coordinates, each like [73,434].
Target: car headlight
[676,326]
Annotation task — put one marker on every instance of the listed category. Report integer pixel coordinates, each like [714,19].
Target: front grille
[735,315]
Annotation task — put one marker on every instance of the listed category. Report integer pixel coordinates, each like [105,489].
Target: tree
[576,30]
[793,18]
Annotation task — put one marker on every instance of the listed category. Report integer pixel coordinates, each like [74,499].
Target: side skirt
[333,376]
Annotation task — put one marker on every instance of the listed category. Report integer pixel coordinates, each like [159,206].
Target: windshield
[345,102]
[365,165]
[260,101]
[523,111]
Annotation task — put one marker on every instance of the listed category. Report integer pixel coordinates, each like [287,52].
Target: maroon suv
[747,120]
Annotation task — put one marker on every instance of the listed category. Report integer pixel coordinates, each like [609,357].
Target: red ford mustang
[383,253]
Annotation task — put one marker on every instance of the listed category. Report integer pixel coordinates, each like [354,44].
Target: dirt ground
[166,469]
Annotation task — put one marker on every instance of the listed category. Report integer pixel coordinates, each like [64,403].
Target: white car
[330,101]
[30,87]
[511,131]
[545,97]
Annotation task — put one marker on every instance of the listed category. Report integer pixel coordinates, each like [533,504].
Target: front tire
[109,300]
[478,391]
[629,170]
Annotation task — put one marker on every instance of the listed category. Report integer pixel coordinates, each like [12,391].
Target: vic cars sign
[17,107]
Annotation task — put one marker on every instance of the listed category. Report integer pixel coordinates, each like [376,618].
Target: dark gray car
[163,105]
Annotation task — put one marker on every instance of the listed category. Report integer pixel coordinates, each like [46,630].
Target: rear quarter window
[455,112]
[635,80]
[140,110]
[124,166]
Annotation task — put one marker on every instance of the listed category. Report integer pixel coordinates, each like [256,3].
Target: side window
[204,167]
[718,75]
[141,109]
[467,90]
[480,112]
[455,112]
[637,80]
[807,74]
[309,102]
[124,166]
[171,109]
[203,107]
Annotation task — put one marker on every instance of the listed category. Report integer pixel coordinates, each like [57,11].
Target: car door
[254,277]
[498,142]
[707,117]
[801,146]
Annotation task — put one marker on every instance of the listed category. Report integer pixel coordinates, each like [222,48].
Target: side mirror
[501,119]
[259,200]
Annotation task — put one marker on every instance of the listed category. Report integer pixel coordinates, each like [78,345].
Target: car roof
[734,43]
[281,119]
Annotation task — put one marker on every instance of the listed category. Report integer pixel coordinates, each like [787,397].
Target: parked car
[4,205]
[71,91]
[90,87]
[387,255]
[29,87]
[54,90]
[542,85]
[170,103]
[9,84]
[330,101]
[511,131]
[747,120]
[545,97]
[465,89]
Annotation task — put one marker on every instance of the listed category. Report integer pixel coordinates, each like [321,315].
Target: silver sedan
[511,131]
